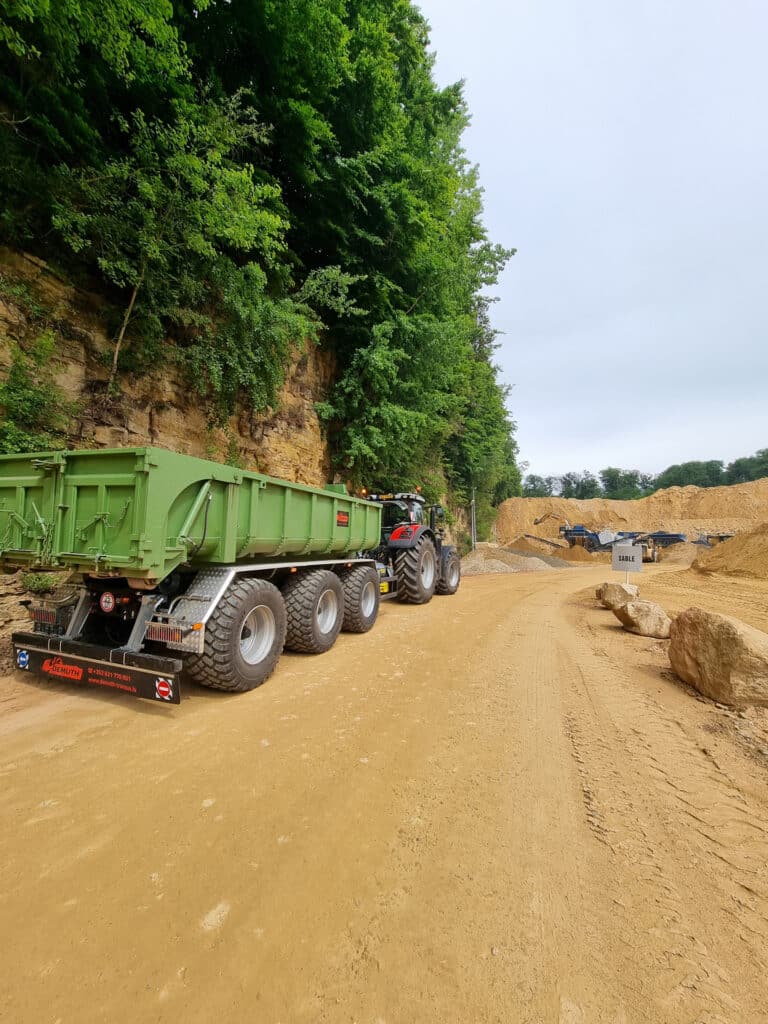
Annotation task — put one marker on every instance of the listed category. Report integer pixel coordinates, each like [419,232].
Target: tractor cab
[404,507]
[410,508]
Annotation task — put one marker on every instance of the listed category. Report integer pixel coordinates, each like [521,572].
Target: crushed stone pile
[743,555]
[553,561]
[677,509]
[487,558]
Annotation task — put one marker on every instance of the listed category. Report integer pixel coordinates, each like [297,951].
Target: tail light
[165,633]
[45,615]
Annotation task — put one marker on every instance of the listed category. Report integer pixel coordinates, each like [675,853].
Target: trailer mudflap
[141,675]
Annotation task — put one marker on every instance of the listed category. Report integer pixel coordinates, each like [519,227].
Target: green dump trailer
[177,564]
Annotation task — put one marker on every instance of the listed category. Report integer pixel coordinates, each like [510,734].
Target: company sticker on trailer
[61,669]
[342,518]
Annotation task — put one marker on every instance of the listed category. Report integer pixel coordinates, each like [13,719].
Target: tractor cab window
[417,511]
[394,512]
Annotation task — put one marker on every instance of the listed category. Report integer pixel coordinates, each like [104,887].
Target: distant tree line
[626,484]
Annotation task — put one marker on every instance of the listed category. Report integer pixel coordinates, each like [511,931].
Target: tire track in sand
[693,843]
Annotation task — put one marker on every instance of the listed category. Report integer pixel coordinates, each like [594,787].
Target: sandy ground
[497,808]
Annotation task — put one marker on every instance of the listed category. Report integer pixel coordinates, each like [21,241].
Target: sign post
[627,558]
[472,520]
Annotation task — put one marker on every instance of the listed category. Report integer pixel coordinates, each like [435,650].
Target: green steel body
[140,513]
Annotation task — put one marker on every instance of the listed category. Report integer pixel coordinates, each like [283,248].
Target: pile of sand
[488,558]
[743,555]
[681,554]
[580,554]
[677,509]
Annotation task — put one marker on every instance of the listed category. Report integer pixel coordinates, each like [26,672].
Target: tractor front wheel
[416,571]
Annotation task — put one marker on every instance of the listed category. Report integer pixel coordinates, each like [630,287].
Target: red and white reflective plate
[163,689]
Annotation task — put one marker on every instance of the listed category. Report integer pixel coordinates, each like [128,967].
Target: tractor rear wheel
[450,572]
[361,598]
[314,601]
[243,638]
[416,571]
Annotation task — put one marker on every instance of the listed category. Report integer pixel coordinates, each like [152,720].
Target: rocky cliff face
[159,408]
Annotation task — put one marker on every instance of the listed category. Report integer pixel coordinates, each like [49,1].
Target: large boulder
[646,618]
[613,595]
[725,659]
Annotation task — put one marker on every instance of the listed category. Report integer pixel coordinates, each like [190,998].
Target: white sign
[627,558]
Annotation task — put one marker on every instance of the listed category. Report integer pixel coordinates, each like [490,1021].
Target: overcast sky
[623,150]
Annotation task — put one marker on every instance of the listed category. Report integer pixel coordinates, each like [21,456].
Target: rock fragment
[720,656]
[646,618]
[613,595]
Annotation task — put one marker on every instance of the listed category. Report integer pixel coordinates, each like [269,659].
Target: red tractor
[414,560]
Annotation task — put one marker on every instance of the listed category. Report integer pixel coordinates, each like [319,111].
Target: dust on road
[495,808]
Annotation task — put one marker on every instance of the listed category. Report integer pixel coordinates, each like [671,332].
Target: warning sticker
[163,689]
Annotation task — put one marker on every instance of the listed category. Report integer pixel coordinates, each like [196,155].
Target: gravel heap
[494,558]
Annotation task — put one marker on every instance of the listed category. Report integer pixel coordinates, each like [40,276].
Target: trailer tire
[416,571]
[314,601]
[450,572]
[244,638]
[362,593]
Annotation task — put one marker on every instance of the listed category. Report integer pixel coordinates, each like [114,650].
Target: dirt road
[495,808]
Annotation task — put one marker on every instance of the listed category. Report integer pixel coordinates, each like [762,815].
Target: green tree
[579,485]
[34,412]
[569,483]
[588,486]
[539,486]
[621,484]
[163,221]
[700,474]
[751,467]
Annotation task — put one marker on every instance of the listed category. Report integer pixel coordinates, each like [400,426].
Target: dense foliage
[35,413]
[631,483]
[244,175]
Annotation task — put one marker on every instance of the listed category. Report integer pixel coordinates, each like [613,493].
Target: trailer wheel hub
[327,611]
[257,634]
[368,599]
